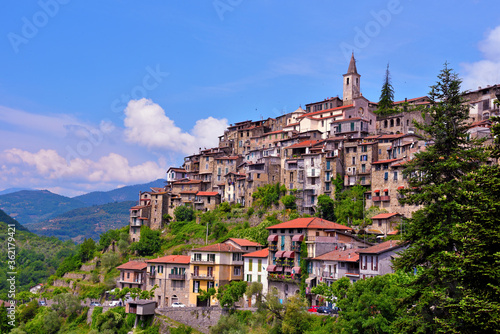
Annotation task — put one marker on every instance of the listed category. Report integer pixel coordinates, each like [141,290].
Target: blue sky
[73,74]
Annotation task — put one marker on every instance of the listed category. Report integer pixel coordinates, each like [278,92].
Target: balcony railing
[273,248]
[376,198]
[199,261]
[202,277]
[385,198]
[177,276]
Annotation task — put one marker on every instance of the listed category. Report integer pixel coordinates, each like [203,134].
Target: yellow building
[213,266]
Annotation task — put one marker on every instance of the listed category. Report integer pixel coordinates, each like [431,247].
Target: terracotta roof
[244,242]
[227,158]
[382,247]
[368,143]
[219,248]
[410,100]
[272,133]
[260,253]
[326,110]
[176,169]
[187,182]
[312,222]
[305,143]
[188,192]
[207,193]
[348,255]
[139,207]
[384,161]
[181,259]
[385,215]
[133,265]
[391,136]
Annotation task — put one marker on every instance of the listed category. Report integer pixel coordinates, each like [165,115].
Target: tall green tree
[326,208]
[149,242]
[434,178]
[386,102]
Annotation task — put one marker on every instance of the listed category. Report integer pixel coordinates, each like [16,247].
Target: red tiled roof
[244,242]
[139,207]
[326,110]
[410,100]
[260,253]
[133,265]
[348,255]
[188,192]
[227,158]
[221,247]
[187,182]
[312,222]
[391,136]
[385,215]
[181,259]
[385,161]
[382,247]
[207,193]
[368,143]
[305,143]
[176,169]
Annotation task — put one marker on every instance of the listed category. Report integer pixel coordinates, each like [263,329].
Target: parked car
[313,308]
[95,304]
[328,310]
[115,303]
[42,303]
[177,304]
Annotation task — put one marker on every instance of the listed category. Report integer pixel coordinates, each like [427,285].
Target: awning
[298,237]
[296,270]
[279,253]
[400,187]
[272,238]
[278,269]
[289,255]
[291,161]
[271,268]
[288,270]
[386,190]
[376,191]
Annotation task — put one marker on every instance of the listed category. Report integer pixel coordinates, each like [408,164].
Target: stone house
[384,223]
[206,200]
[172,276]
[332,266]
[132,275]
[377,260]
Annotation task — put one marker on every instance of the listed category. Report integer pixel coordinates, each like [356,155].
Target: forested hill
[128,193]
[31,206]
[36,257]
[88,222]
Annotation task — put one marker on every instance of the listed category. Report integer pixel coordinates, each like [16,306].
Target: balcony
[284,278]
[296,248]
[197,276]
[199,261]
[177,276]
[385,198]
[376,198]
[152,274]
[273,248]
[312,173]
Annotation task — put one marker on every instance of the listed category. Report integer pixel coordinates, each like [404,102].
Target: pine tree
[435,177]
[386,102]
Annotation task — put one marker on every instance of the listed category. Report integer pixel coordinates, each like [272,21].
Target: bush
[224,207]
[149,243]
[184,213]
[250,212]
[110,260]
[289,202]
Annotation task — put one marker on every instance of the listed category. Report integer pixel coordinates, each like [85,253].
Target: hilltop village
[306,151]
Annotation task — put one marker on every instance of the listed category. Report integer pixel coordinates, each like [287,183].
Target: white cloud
[147,124]
[486,71]
[49,165]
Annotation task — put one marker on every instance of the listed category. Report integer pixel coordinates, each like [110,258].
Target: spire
[352,65]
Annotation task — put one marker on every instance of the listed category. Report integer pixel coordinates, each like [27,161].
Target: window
[236,256]
[283,242]
[347,81]
[353,160]
[386,176]
[395,176]
[160,269]
[237,271]
[250,265]
[259,266]
[249,278]
[209,285]
[392,123]
[259,279]
[385,123]
[128,275]
[196,286]
[363,168]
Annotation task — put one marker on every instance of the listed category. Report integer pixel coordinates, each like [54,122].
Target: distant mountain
[127,193]
[12,190]
[88,222]
[5,218]
[32,206]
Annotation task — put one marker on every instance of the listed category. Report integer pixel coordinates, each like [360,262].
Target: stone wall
[200,318]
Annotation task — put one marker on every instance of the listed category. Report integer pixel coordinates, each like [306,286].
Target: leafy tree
[184,213]
[325,208]
[224,207]
[386,102]
[231,293]
[435,179]
[255,289]
[107,237]
[337,290]
[289,202]
[86,251]
[229,324]
[52,322]
[204,295]
[296,319]
[66,304]
[268,194]
[149,242]
[349,206]
[110,260]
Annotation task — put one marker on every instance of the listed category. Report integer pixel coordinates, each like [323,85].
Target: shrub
[184,213]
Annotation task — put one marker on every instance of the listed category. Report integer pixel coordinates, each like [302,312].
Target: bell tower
[351,83]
